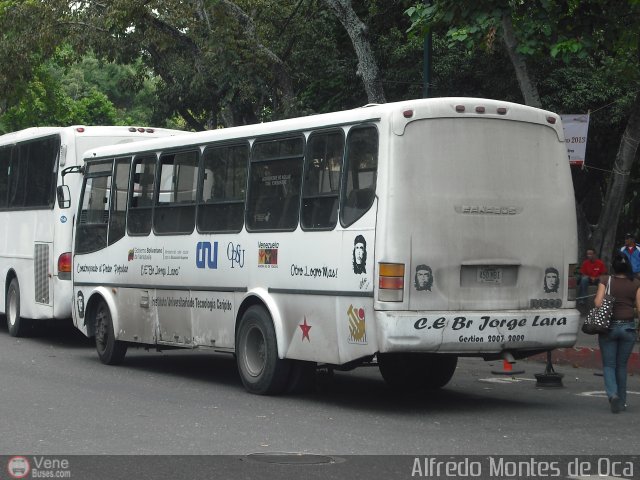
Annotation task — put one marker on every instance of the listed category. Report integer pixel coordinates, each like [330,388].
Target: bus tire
[440,372]
[416,371]
[17,325]
[110,351]
[261,370]
[302,378]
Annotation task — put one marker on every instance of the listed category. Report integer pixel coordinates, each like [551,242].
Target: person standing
[617,344]
[591,270]
[632,252]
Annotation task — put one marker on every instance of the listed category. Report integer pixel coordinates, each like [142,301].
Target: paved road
[57,398]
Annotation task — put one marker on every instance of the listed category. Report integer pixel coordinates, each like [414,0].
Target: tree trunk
[604,236]
[367,65]
[527,87]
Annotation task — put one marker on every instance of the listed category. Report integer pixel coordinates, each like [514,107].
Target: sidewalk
[585,354]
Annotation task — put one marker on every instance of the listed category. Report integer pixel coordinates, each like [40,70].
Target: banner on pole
[576,128]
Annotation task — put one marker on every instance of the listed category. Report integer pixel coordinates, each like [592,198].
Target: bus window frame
[54,172]
[313,133]
[88,176]
[345,172]
[200,203]
[252,161]
[132,173]
[173,205]
[122,160]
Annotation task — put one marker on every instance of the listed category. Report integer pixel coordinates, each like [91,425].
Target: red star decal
[305,330]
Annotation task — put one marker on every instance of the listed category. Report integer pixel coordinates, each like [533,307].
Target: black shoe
[616,404]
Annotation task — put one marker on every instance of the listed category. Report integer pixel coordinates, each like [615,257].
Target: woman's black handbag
[598,318]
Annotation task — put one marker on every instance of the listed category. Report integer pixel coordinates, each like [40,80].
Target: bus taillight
[390,282]
[572,282]
[64,266]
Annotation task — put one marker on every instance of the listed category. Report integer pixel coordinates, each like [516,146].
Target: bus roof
[84,130]
[420,109]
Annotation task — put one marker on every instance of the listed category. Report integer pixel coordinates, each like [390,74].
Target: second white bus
[35,238]
[409,233]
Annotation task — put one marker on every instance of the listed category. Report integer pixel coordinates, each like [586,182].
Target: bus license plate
[490,275]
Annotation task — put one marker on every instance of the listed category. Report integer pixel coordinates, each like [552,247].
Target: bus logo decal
[235,254]
[357,327]
[268,254]
[305,327]
[130,256]
[18,467]
[207,256]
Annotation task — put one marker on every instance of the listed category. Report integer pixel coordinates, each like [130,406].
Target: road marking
[506,379]
[600,393]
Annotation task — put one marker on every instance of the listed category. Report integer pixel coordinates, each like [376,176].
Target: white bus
[35,239]
[408,233]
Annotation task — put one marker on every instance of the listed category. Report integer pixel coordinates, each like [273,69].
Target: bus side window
[5,161]
[42,161]
[18,175]
[93,219]
[321,188]
[117,220]
[275,178]
[361,166]
[141,195]
[223,188]
[175,210]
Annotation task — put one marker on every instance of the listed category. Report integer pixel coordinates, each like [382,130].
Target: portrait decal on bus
[423,279]
[551,280]
[80,304]
[359,255]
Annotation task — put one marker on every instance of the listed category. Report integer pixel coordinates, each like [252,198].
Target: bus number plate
[490,275]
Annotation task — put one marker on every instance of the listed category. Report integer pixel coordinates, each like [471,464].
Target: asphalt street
[57,398]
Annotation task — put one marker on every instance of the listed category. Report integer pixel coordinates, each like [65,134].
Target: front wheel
[416,371]
[261,370]
[110,350]
[17,325]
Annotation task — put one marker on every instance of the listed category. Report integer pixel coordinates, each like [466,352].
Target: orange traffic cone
[507,369]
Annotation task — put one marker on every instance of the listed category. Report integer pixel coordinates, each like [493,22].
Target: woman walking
[617,344]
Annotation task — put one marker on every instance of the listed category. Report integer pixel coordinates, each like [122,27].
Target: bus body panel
[472,332]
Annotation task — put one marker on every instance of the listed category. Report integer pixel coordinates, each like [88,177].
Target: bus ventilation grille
[41,272]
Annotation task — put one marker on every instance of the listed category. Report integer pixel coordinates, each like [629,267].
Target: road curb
[584,357]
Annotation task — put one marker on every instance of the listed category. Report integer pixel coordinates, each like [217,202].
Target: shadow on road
[359,389]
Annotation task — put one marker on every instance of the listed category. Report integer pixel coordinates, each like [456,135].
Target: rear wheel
[302,378]
[17,325]
[261,371]
[416,371]
[110,350]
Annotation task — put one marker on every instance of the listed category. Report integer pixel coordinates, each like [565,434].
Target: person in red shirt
[590,272]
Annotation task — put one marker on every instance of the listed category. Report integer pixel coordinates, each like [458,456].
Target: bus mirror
[64,196]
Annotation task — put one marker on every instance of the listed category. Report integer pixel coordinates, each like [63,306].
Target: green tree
[601,33]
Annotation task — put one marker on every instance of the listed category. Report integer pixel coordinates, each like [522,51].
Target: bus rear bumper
[469,333]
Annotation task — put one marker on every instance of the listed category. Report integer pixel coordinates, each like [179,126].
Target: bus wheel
[415,371]
[110,350]
[17,325]
[261,371]
[302,378]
